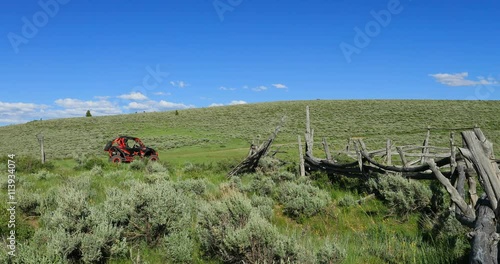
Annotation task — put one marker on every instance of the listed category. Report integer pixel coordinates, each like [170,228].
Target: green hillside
[79,208]
[201,134]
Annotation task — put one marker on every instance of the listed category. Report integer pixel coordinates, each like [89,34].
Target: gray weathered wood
[425,150]
[301,159]
[484,237]
[455,196]
[402,156]
[482,164]
[453,161]
[327,150]
[388,152]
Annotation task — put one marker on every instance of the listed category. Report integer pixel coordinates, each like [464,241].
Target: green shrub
[153,167]
[179,247]
[157,210]
[43,174]
[96,171]
[156,177]
[88,162]
[330,252]
[197,187]
[137,165]
[264,205]
[77,232]
[28,202]
[347,200]
[283,176]
[261,184]
[301,200]
[235,232]
[269,165]
[403,196]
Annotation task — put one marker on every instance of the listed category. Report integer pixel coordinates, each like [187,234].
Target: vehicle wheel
[116,159]
[153,158]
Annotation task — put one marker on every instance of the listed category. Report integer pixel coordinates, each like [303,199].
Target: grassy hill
[213,133]
[184,209]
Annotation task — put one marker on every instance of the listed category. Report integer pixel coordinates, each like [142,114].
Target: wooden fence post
[301,159]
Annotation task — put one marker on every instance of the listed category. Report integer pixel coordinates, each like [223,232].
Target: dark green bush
[261,184]
[301,200]
[235,232]
[347,200]
[137,165]
[198,187]
[403,196]
[329,253]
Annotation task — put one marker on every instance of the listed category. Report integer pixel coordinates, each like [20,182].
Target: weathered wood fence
[453,166]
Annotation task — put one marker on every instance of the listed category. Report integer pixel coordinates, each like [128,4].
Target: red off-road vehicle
[125,149]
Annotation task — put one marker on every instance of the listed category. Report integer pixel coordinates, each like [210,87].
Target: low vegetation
[79,208]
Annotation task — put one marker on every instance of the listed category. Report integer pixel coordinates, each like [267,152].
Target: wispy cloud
[223,88]
[234,102]
[162,94]
[259,88]
[280,86]
[137,96]
[180,84]
[237,102]
[460,79]
[156,106]
[75,107]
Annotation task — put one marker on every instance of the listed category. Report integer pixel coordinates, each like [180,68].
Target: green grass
[206,143]
[234,127]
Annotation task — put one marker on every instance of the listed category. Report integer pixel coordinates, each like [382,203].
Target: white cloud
[137,96]
[170,105]
[237,102]
[138,106]
[259,88]
[215,105]
[280,86]
[226,88]
[17,108]
[460,79]
[180,84]
[162,93]
[76,107]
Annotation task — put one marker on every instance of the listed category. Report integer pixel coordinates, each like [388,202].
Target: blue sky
[62,57]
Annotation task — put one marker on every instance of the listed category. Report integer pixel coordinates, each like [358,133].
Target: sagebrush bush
[77,232]
[301,200]
[153,167]
[44,174]
[96,171]
[269,165]
[137,164]
[29,202]
[194,186]
[330,252]
[283,176]
[157,210]
[179,247]
[261,184]
[234,231]
[264,205]
[347,200]
[402,195]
